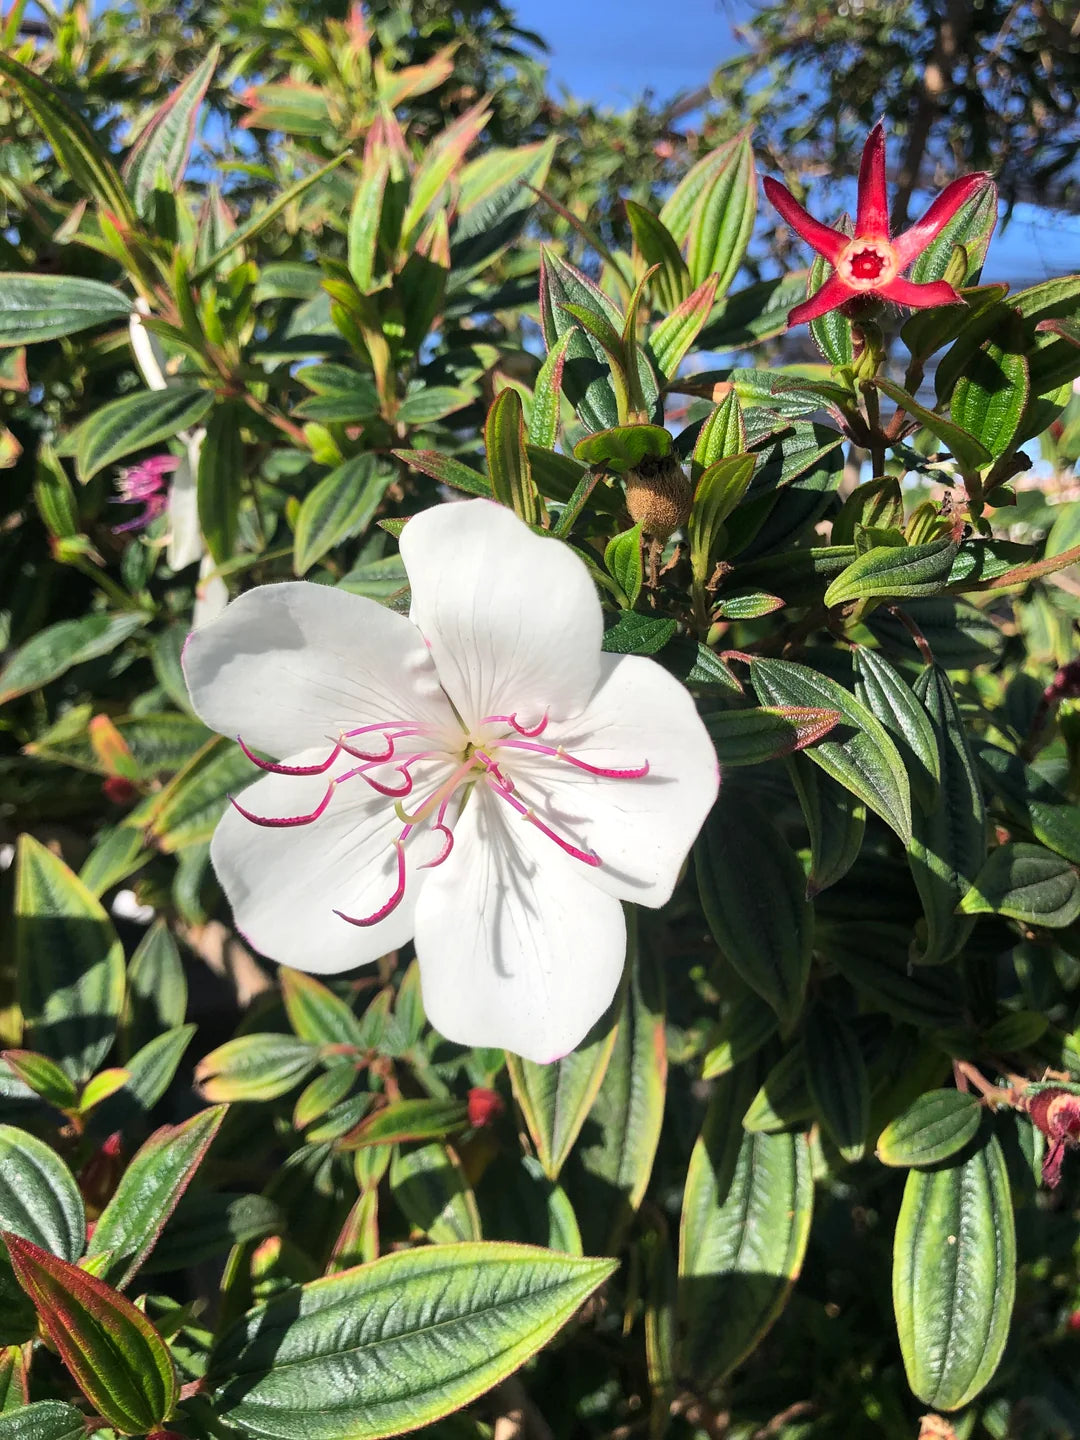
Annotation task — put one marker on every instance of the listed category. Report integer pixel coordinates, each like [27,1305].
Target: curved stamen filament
[395,898]
[587,857]
[284,821]
[319,769]
[393,792]
[443,793]
[515,723]
[636,772]
[448,845]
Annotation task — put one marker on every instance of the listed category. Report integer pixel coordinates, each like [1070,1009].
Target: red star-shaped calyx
[871,263]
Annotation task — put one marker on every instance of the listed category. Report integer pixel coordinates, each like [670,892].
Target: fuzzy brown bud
[658,495]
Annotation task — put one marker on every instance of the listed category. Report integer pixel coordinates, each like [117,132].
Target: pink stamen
[448,845]
[637,772]
[439,796]
[391,734]
[290,769]
[278,822]
[515,724]
[395,898]
[587,857]
[391,791]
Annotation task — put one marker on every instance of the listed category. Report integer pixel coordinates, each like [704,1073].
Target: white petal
[641,829]
[512,618]
[285,884]
[185,537]
[211,594]
[288,665]
[514,952]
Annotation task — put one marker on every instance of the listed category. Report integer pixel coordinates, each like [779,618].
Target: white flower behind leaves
[479,778]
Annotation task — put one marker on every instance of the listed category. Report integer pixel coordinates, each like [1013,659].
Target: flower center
[481,760]
[867,264]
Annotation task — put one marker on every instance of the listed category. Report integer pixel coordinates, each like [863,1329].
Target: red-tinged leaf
[508,460]
[149,1192]
[544,421]
[673,337]
[749,737]
[114,1354]
[447,471]
[165,142]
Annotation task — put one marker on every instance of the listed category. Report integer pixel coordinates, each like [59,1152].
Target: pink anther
[291,769]
[281,822]
[391,904]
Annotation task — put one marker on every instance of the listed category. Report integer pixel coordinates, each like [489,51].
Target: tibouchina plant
[870,265]
[478,777]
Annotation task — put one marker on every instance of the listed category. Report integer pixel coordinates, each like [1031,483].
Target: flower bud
[658,495]
[484,1107]
[1056,1112]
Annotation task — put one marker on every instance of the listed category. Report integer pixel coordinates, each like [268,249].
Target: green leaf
[744,1027]
[508,461]
[365,220]
[614,1159]
[220,481]
[44,1077]
[969,451]
[149,1191]
[54,650]
[432,402]
[750,737]
[720,489]
[496,196]
[634,634]
[46,1420]
[207,1223]
[935,1126]
[1027,795]
[318,1015]
[70,962]
[886,694]
[960,636]
[404,1120]
[188,809]
[164,143]
[894,572]
[43,307]
[990,396]
[555,1099]
[867,762]
[745,1223]
[674,335]
[948,843]
[752,890]
[255,1067]
[39,1201]
[156,996]
[723,217]
[1027,883]
[117,1358]
[876,504]
[394,1345]
[831,331]
[135,422]
[586,377]
[954,1275]
[835,819]
[670,285]
[430,1187]
[838,1082]
[151,1071]
[74,144]
[746,605]
[544,419]
[623,447]
[622,556]
[447,471]
[722,437]
[342,505]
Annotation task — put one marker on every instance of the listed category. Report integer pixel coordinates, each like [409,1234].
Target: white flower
[479,778]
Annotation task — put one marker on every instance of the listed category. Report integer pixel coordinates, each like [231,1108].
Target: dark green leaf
[135,422]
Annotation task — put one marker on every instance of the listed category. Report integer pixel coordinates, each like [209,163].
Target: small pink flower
[871,263]
[145,484]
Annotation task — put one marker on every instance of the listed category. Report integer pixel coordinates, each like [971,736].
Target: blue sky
[610,51]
